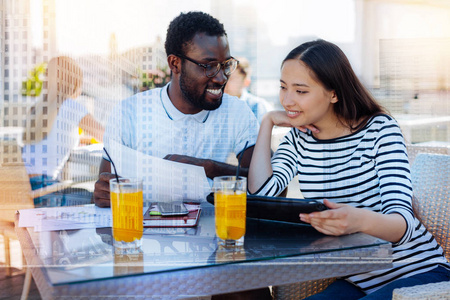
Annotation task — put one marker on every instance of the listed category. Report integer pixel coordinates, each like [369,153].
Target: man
[190,120]
[237,85]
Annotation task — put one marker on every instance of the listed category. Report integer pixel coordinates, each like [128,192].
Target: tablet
[278,208]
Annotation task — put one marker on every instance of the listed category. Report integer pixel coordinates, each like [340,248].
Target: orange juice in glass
[230,202]
[127,212]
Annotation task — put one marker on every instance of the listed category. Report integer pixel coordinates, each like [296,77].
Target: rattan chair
[414,149]
[430,177]
[430,291]
[300,290]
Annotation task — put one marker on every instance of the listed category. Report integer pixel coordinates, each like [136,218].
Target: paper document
[163,180]
[65,218]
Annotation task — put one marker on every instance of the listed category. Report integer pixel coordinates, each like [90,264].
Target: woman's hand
[343,219]
[280,118]
[340,219]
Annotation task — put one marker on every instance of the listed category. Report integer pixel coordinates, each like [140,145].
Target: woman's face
[305,100]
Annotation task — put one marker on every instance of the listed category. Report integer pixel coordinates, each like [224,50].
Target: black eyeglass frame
[205,66]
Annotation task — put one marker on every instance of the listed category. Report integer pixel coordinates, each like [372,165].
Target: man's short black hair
[183,28]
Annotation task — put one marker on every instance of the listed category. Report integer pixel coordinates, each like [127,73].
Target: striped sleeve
[392,166]
[284,167]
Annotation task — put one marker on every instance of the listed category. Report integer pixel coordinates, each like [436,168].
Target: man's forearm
[215,168]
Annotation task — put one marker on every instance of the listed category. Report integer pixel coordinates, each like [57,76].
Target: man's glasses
[212,68]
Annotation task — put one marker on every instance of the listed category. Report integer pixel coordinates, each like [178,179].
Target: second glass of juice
[230,202]
[127,212]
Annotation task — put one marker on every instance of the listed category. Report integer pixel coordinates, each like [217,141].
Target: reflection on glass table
[70,262]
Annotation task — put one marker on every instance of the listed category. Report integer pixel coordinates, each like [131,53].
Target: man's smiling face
[199,90]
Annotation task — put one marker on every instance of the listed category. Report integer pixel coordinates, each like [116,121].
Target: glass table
[187,262]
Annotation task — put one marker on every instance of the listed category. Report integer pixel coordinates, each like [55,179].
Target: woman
[53,122]
[352,155]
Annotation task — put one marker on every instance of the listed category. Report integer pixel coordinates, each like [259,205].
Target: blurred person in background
[238,84]
[53,124]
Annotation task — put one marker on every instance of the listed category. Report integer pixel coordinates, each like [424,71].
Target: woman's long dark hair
[331,67]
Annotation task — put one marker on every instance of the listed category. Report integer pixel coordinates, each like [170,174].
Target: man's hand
[186,159]
[207,164]
[213,168]
[101,191]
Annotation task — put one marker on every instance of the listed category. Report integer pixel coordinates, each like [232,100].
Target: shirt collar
[244,94]
[174,114]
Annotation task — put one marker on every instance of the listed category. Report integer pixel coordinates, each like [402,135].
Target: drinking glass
[230,202]
[127,212]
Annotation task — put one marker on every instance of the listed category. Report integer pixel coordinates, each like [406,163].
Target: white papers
[163,180]
[65,218]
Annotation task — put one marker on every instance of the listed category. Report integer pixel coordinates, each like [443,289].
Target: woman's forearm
[260,166]
[389,227]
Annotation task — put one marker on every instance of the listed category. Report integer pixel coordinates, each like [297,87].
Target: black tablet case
[278,208]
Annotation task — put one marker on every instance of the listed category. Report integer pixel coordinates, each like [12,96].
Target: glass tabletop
[74,256]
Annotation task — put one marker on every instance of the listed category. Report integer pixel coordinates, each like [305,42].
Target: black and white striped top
[367,169]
